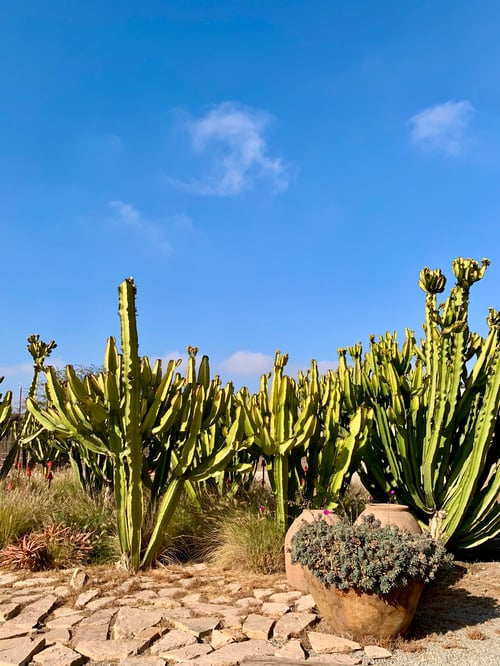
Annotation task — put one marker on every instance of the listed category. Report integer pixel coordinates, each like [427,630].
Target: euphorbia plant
[130,411]
[436,407]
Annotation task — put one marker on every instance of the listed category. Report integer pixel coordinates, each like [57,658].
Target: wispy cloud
[442,127]
[13,370]
[251,364]
[232,138]
[131,217]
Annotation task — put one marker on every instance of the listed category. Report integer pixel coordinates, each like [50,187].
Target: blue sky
[273,174]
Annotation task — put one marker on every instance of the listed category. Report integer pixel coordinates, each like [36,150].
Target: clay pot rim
[388,504]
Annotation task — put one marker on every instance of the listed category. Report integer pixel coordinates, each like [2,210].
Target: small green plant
[367,556]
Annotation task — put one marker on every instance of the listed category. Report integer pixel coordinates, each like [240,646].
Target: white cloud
[13,370]
[232,137]
[442,127]
[129,216]
[248,363]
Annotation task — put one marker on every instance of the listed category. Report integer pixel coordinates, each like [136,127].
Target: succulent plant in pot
[366,579]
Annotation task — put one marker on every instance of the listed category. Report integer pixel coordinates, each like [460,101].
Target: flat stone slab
[188,652]
[33,613]
[292,624]
[65,621]
[220,639]
[291,650]
[330,644]
[283,661]
[85,597]
[12,630]
[131,621]
[274,608]
[57,636]
[8,610]
[305,603]
[8,579]
[173,640]
[257,626]
[198,626]
[237,652]
[376,652]
[143,661]
[95,627]
[32,582]
[100,650]
[59,655]
[19,651]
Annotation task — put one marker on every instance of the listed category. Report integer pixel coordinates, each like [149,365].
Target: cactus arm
[166,510]
[132,451]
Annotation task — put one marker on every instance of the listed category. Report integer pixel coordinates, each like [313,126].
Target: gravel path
[457,624]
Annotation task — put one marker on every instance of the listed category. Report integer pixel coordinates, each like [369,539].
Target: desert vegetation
[136,462]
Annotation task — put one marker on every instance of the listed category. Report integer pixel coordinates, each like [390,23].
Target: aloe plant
[436,407]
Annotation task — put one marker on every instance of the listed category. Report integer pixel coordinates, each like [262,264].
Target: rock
[20,651]
[188,652]
[257,626]
[376,652]
[305,603]
[9,610]
[220,639]
[199,626]
[274,609]
[291,650]
[102,650]
[236,653]
[292,624]
[173,640]
[329,644]
[131,621]
[79,579]
[56,636]
[58,655]
[85,597]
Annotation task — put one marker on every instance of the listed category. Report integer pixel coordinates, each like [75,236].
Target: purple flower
[262,508]
[327,512]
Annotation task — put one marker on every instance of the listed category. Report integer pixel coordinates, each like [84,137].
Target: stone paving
[173,615]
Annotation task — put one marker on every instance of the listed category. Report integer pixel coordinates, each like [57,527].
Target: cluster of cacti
[130,419]
[417,419]
[436,407]
[308,443]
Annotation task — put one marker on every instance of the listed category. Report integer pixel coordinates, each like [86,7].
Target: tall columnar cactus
[436,408]
[5,410]
[280,425]
[134,416]
[333,453]
[26,431]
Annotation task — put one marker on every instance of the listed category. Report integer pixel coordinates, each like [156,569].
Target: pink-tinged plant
[38,551]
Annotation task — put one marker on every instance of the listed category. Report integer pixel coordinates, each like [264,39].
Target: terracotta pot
[393,514]
[359,615]
[294,572]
